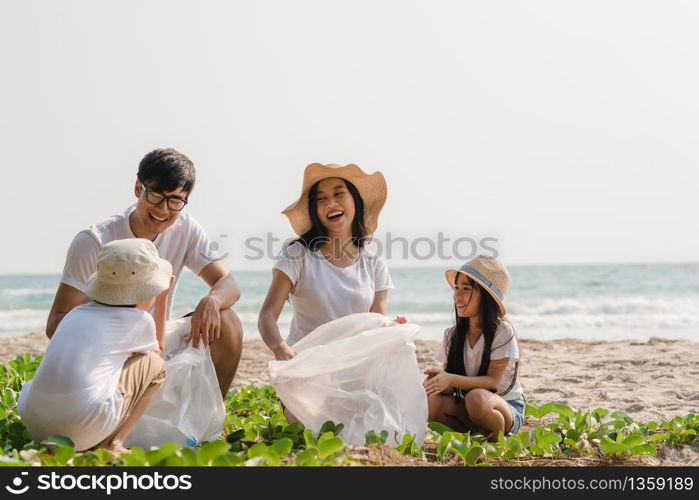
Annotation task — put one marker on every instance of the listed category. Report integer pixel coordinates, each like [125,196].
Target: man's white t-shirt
[323,292]
[75,390]
[504,346]
[183,244]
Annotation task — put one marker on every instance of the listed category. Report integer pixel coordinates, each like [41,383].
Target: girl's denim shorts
[517,407]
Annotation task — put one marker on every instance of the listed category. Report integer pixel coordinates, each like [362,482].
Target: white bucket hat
[488,272]
[371,187]
[128,272]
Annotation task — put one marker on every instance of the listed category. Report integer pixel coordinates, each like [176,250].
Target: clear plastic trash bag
[188,408]
[359,370]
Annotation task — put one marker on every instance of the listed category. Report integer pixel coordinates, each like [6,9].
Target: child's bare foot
[117,447]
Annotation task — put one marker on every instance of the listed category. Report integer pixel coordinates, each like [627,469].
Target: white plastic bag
[359,370]
[188,408]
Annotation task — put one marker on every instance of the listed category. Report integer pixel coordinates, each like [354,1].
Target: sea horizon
[546,301]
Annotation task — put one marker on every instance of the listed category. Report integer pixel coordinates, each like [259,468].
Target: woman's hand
[283,352]
[401,320]
[437,381]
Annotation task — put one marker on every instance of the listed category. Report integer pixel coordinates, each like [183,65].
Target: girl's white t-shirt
[323,292]
[504,346]
[75,391]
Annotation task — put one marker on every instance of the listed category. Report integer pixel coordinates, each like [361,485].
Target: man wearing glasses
[164,182]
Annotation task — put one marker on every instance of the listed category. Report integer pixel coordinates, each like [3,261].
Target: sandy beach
[648,380]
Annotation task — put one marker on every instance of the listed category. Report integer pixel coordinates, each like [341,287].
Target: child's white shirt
[75,390]
[504,346]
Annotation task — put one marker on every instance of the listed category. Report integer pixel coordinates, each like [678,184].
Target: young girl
[478,387]
[327,273]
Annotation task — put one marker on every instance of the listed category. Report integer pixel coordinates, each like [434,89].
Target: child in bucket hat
[478,386]
[102,366]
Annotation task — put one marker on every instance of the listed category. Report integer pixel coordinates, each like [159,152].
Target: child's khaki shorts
[142,375]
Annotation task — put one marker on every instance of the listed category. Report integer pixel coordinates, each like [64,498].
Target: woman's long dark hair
[489,317]
[317,235]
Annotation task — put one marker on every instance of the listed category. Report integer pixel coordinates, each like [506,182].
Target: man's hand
[283,352]
[206,322]
[437,381]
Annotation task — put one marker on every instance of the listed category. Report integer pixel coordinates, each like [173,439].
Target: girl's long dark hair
[317,235]
[489,317]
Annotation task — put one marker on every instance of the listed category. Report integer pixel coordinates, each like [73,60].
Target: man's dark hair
[165,169]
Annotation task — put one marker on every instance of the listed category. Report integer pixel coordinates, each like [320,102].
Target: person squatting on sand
[478,387]
[164,181]
[103,365]
[327,272]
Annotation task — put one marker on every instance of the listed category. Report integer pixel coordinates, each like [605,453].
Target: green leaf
[460,447]
[156,456]
[65,453]
[372,438]
[294,428]
[134,457]
[272,457]
[328,426]
[189,455]
[326,435]
[572,434]
[58,440]
[444,445]
[439,428]
[9,397]
[612,447]
[525,437]
[491,451]
[531,410]
[307,457]
[236,435]
[620,415]
[257,450]
[330,446]
[309,438]
[283,446]
[645,449]
[633,441]
[546,439]
[210,451]
[600,413]
[657,438]
[473,454]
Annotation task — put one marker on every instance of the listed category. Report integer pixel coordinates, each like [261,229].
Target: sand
[648,380]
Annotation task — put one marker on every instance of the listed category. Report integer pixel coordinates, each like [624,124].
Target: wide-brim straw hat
[372,188]
[129,272]
[488,272]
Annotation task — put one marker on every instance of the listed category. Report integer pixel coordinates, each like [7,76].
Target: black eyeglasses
[173,202]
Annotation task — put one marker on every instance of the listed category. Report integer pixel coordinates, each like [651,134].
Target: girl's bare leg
[115,442]
[443,409]
[489,411]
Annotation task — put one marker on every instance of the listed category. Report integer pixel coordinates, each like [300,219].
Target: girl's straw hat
[488,272]
[371,187]
[129,272]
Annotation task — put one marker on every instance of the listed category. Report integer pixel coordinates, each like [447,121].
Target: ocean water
[595,302]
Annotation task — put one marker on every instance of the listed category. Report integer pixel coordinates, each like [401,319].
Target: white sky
[567,130]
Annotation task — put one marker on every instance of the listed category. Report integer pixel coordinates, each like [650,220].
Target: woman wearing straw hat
[478,387]
[327,272]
